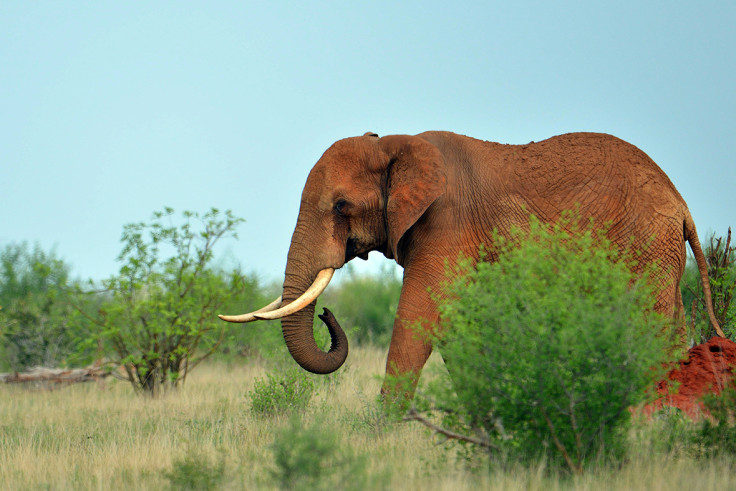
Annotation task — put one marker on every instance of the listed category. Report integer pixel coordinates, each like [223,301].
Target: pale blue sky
[109,111]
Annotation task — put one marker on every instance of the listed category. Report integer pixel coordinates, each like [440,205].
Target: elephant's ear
[415,179]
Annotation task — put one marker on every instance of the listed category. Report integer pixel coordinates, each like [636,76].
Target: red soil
[708,367]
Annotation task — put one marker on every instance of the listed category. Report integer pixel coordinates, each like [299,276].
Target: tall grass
[105,437]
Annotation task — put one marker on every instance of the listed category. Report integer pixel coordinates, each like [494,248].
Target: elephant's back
[600,172]
[606,178]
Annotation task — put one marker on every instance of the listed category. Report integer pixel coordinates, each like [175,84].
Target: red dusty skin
[707,368]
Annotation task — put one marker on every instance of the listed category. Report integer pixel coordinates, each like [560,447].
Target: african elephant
[426,198]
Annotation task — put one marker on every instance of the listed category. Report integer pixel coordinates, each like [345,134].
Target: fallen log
[54,377]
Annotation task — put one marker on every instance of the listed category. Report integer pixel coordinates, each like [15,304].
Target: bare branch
[413,415]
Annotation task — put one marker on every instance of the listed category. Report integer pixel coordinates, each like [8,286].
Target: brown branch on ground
[413,415]
[54,377]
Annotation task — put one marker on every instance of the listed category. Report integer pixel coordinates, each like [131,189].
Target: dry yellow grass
[106,437]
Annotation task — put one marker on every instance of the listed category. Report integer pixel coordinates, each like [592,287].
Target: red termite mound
[707,368]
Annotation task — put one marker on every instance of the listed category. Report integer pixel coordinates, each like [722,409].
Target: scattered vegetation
[311,456]
[196,472]
[85,437]
[546,400]
[156,319]
[720,255]
[549,346]
[34,308]
[709,439]
[282,393]
[716,436]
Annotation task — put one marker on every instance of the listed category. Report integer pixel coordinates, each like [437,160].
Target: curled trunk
[299,335]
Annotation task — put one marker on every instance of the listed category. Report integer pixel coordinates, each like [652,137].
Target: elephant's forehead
[321,184]
[344,155]
[324,182]
[341,163]
[342,169]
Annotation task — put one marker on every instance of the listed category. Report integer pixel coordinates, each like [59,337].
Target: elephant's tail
[691,236]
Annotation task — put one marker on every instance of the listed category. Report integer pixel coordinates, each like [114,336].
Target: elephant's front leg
[410,348]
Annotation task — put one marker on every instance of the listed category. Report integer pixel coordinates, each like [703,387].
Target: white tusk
[252,316]
[314,291]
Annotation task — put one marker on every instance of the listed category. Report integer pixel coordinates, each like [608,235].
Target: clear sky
[111,110]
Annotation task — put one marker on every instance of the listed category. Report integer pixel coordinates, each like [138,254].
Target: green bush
[548,346]
[196,472]
[313,457]
[282,393]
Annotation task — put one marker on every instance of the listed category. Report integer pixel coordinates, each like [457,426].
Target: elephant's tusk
[309,296]
[252,316]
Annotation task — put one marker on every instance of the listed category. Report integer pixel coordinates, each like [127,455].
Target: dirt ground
[706,369]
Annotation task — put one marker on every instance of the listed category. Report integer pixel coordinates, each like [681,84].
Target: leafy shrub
[282,393]
[312,457]
[549,346]
[157,318]
[196,472]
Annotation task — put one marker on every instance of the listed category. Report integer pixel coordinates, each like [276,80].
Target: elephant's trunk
[298,330]
[303,283]
[304,264]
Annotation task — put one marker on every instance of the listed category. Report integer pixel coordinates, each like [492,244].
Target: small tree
[548,347]
[34,310]
[158,317]
[721,258]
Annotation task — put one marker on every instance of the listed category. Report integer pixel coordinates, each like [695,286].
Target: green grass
[105,437]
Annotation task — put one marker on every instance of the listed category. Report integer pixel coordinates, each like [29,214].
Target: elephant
[425,199]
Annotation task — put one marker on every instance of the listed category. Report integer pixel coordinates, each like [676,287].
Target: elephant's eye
[340,206]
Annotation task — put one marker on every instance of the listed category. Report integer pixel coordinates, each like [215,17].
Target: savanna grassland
[104,436]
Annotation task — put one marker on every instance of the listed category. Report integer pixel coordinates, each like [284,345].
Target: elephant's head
[363,195]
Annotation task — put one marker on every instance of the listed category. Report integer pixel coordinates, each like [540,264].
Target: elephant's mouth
[353,250]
